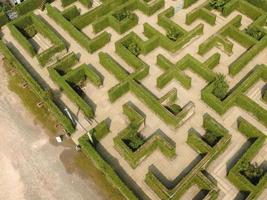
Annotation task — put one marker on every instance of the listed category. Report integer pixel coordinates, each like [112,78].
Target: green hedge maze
[167,98]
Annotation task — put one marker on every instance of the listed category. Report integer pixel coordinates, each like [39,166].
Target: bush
[255,33]
[173,33]
[217,4]
[133,47]
[220,87]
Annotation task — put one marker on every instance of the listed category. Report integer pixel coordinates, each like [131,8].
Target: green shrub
[133,47]
[173,33]
[220,87]
[255,33]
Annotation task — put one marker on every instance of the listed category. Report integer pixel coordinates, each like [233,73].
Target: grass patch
[41,115]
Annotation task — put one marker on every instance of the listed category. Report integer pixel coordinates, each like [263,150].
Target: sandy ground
[32,167]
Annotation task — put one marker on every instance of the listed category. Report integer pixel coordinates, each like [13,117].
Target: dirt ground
[32,165]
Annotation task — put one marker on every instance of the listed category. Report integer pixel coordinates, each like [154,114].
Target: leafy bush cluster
[123,14]
[251,171]
[132,47]
[255,33]
[220,87]
[173,33]
[218,4]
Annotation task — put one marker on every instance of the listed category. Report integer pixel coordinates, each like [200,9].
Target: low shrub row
[37,89]
[22,40]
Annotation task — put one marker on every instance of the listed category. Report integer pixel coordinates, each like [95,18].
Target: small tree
[220,87]
[173,33]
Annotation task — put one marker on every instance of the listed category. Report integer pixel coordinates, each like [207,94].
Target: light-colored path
[31,167]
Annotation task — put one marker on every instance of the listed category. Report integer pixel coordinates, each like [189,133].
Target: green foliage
[251,171]
[255,33]
[123,14]
[217,4]
[210,138]
[220,87]
[173,33]
[132,47]
[133,140]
